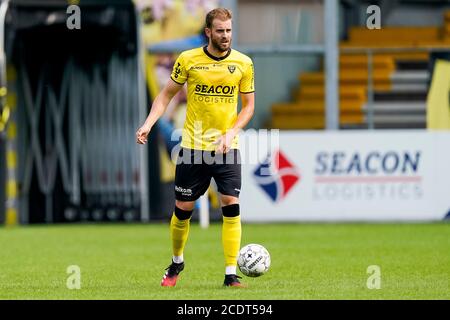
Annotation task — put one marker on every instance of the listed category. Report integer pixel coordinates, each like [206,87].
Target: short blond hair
[218,13]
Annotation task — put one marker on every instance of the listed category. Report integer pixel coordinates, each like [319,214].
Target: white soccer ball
[253,260]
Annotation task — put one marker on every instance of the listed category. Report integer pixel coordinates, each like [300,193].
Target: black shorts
[195,168]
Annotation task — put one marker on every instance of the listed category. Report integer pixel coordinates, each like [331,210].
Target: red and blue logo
[276,175]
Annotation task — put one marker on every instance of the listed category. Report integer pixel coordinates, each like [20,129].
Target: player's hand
[142,134]
[223,144]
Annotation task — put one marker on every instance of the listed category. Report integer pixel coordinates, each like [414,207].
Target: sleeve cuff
[176,81]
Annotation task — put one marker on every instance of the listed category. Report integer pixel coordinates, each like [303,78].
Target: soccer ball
[253,260]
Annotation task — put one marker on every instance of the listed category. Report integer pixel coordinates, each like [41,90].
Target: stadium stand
[400,81]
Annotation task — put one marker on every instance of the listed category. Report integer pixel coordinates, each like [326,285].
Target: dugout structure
[80,95]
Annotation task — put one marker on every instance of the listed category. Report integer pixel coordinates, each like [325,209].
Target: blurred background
[359,90]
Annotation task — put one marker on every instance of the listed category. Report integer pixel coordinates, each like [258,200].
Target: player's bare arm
[248,108]
[158,108]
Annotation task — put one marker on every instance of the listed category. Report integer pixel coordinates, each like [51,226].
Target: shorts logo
[231,68]
[276,176]
[184,192]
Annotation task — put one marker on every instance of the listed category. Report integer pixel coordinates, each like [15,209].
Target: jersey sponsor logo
[200,68]
[210,90]
[231,68]
[276,176]
[214,100]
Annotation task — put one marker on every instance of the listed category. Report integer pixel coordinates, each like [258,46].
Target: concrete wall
[417,16]
[278,23]
[275,78]
[409,15]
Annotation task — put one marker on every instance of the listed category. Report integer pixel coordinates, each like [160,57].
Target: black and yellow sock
[179,230]
[231,236]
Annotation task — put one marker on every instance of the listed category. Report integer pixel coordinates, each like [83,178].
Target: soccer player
[215,74]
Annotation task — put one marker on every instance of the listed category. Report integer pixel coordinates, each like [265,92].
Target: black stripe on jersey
[205,50]
[247,92]
[176,81]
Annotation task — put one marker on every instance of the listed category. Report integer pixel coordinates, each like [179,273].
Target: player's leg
[231,231]
[179,228]
[191,181]
[231,237]
[179,231]
[228,180]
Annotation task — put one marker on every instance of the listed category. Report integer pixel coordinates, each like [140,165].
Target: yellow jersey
[213,85]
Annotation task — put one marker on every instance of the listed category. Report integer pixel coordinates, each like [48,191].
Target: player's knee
[231,210]
[185,205]
[183,212]
[228,200]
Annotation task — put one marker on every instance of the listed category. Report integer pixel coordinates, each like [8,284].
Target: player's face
[220,35]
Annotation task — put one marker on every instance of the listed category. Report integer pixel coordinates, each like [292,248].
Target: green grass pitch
[309,261]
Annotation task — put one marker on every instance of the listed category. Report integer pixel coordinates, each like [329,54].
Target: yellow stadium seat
[313,121]
[447,16]
[393,35]
[359,61]
[315,92]
[307,111]
[314,106]
[347,78]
